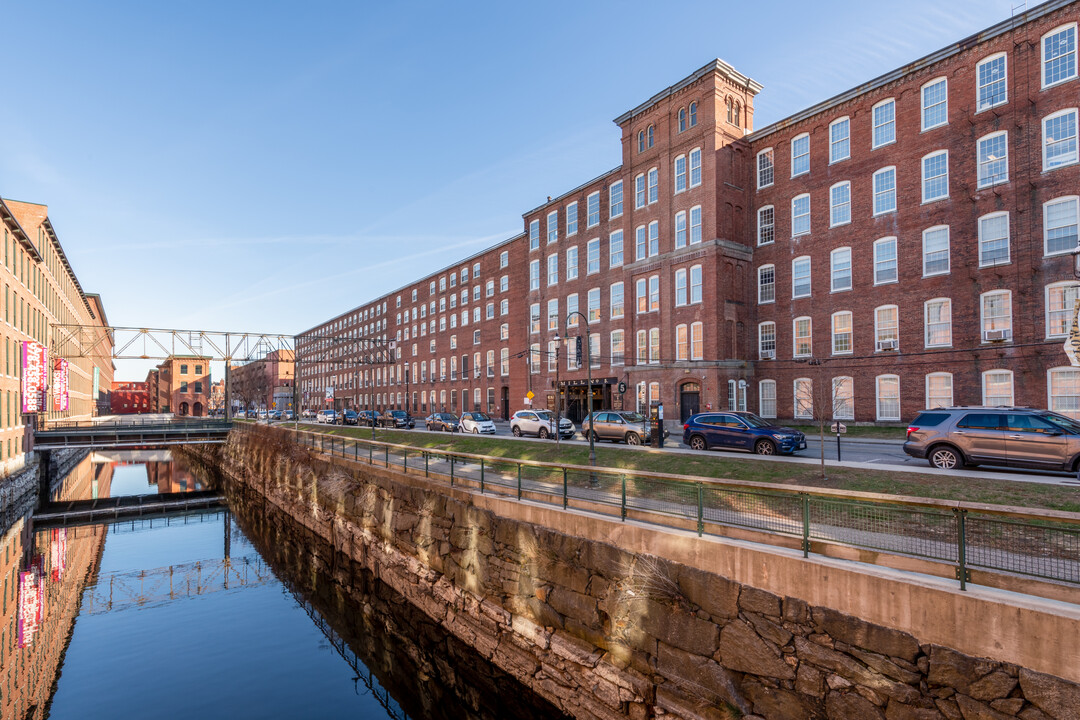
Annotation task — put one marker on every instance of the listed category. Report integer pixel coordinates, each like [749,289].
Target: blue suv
[740,431]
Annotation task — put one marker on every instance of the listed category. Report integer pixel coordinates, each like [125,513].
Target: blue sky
[264,166]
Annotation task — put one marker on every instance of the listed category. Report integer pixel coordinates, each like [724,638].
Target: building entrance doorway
[689,400]
[577,399]
[505,403]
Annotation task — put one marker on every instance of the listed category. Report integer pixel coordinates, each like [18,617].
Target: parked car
[288,415]
[477,423]
[307,414]
[951,438]
[327,416]
[275,414]
[618,426]
[397,419]
[741,431]
[540,423]
[442,421]
[349,417]
[368,418]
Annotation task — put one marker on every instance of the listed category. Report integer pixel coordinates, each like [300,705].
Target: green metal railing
[1043,544]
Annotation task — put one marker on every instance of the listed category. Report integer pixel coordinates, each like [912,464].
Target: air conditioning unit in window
[997,335]
[888,344]
[768,354]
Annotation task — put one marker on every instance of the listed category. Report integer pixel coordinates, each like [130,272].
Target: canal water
[234,612]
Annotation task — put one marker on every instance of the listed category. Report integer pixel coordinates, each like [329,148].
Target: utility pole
[558,390]
[588,376]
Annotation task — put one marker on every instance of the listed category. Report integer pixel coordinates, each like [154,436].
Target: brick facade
[691,154]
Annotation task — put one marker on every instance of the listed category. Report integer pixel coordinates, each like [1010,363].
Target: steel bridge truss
[129,343]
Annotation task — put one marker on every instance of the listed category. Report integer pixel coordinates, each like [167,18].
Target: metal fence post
[623,497]
[405,461]
[481,476]
[700,509]
[805,525]
[519,481]
[565,494]
[961,547]
[355,450]
[451,457]
[370,454]
[427,458]
[387,455]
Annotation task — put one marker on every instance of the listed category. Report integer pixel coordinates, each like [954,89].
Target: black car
[349,417]
[442,421]
[397,419]
[368,418]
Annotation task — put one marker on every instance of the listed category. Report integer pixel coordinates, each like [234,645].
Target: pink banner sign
[31,609]
[35,358]
[60,384]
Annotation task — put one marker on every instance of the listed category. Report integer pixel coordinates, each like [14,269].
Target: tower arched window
[682,119]
[650,136]
[693,114]
[730,110]
[738,114]
[641,141]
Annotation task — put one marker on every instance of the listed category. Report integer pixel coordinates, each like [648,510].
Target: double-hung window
[935,176]
[939,390]
[766,219]
[615,199]
[680,229]
[592,203]
[553,269]
[616,300]
[1059,55]
[992,83]
[885,190]
[534,243]
[800,155]
[839,140]
[680,174]
[1059,139]
[639,191]
[1060,305]
[935,244]
[998,388]
[766,284]
[571,219]
[885,269]
[766,340]
[641,243]
[841,269]
[654,185]
[994,239]
[841,333]
[840,204]
[1060,225]
[654,238]
[592,251]
[695,284]
[654,293]
[800,277]
[695,225]
[695,167]
[800,215]
[615,249]
[886,328]
[680,287]
[571,263]
[765,169]
[888,397]
[594,305]
[534,277]
[993,159]
[803,337]
[996,315]
[553,226]
[935,104]
[938,322]
[884,120]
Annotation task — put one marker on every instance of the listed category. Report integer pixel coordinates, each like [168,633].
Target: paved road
[855,452]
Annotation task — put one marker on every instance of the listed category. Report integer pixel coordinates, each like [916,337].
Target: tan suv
[1019,437]
[617,426]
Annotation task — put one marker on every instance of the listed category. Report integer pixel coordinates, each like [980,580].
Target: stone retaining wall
[605,633]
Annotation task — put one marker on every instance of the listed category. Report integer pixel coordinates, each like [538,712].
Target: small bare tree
[823,400]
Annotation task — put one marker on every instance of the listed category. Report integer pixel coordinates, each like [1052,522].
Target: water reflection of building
[44,573]
[170,477]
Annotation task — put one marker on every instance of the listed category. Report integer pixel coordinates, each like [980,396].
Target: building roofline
[568,193]
[51,232]
[445,268]
[927,60]
[20,233]
[716,65]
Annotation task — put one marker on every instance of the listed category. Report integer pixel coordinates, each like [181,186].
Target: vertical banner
[60,384]
[35,356]
[31,603]
[330,395]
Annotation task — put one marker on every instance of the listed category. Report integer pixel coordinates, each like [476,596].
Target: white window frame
[843,397]
[771,225]
[800,232]
[879,397]
[833,270]
[682,233]
[1073,409]
[983,330]
[762,350]
[979,85]
[1075,200]
[893,191]
[884,336]
[592,219]
[850,332]
[679,165]
[895,259]
[1075,145]
[947,305]
[809,276]
[589,246]
[571,219]
[925,179]
[682,287]
[1042,55]
[874,144]
[948,250]
[618,307]
[553,227]
[834,205]
[616,250]
[1066,310]
[798,158]
[1012,386]
[572,258]
[767,394]
[1008,238]
[809,337]
[695,225]
[615,207]
[803,410]
[834,156]
[696,285]
[617,342]
[987,180]
[923,107]
[769,171]
[693,161]
[927,381]
[761,269]
[654,185]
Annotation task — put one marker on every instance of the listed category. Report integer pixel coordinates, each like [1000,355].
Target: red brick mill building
[905,244]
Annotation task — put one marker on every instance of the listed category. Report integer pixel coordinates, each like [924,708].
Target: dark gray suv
[1019,437]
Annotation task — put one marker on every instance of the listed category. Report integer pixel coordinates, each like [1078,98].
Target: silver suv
[1020,437]
[540,423]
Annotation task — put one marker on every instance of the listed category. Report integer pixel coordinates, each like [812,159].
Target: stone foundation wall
[605,633]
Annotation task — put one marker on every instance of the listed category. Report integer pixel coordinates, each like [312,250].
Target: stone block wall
[604,633]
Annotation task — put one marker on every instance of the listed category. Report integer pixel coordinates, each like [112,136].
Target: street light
[588,375]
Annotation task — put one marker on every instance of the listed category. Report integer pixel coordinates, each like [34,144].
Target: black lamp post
[588,375]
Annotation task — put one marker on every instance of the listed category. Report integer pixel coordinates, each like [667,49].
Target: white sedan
[477,423]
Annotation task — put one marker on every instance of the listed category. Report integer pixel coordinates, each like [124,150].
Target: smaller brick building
[130,398]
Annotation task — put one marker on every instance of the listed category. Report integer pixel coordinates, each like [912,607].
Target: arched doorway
[183,408]
[506,403]
[689,400]
[197,409]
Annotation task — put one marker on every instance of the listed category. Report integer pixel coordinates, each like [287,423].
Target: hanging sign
[60,384]
[35,356]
